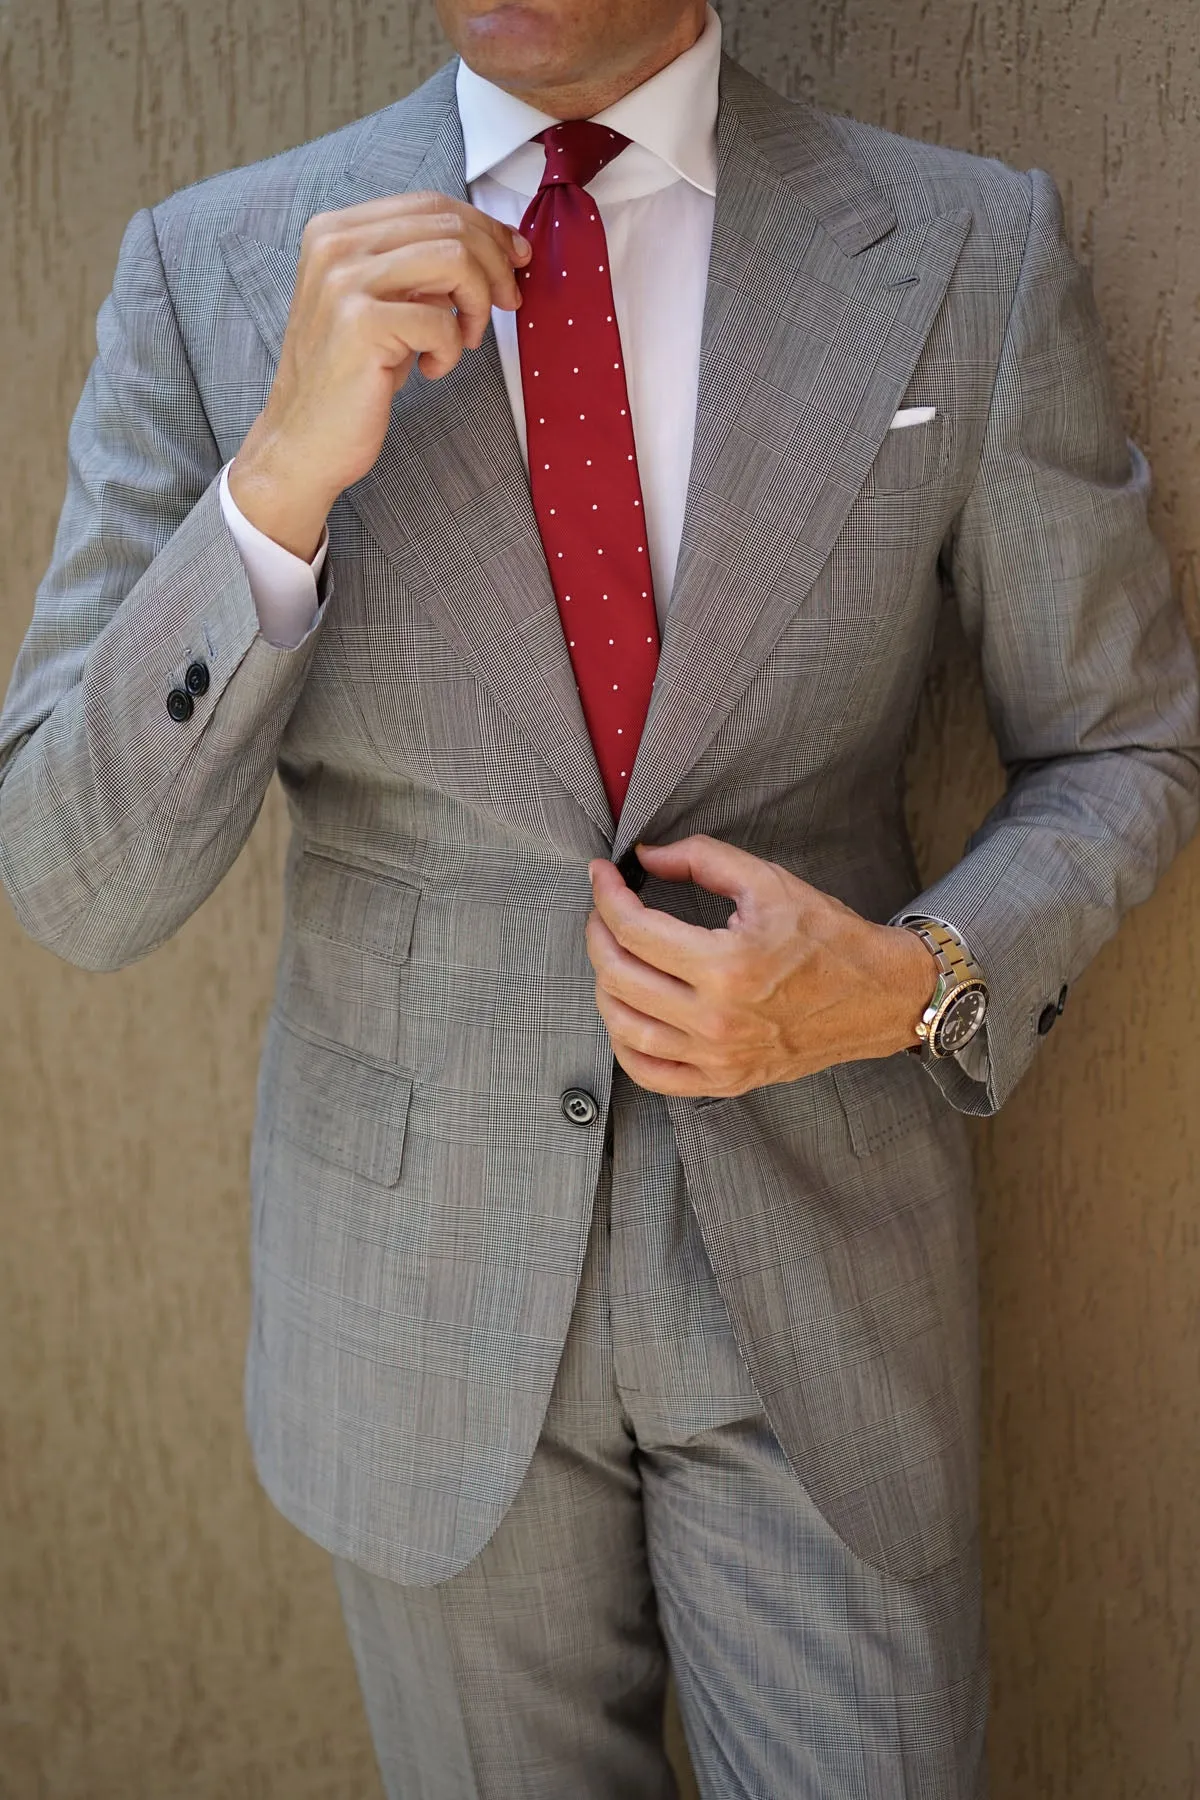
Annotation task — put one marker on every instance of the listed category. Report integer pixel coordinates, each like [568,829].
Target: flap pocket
[883,1100]
[340,1109]
[352,906]
[908,458]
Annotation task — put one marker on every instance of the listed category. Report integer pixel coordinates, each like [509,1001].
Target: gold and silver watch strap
[951,954]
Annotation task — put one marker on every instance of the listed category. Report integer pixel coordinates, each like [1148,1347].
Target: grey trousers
[539,1671]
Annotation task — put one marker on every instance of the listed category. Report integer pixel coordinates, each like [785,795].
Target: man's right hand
[408,279]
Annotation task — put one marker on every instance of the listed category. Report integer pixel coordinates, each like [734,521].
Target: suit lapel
[448,498]
[819,303]
[818,306]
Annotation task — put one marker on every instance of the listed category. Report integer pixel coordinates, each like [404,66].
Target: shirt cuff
[283,586]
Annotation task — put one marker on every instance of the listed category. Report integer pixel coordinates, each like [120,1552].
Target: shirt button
[180,705]
[196,679]
[579,1106]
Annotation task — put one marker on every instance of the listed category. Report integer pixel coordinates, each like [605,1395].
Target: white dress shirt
[656,201]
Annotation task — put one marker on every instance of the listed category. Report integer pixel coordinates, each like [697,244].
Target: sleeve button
[1049,1016]
[180,705]
[196,679]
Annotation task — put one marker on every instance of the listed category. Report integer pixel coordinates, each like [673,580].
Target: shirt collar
[673,116]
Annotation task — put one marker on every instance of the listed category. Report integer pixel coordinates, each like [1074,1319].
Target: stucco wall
[162,1633]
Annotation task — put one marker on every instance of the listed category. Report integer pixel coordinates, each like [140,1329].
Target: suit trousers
[539,1671]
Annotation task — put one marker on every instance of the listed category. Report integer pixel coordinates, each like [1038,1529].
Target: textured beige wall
[162,1633]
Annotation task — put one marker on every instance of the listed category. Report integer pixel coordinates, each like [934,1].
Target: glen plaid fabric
[802,1673]
[420,1200]
[583,471]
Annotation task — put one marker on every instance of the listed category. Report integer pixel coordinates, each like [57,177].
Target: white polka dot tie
[583,472]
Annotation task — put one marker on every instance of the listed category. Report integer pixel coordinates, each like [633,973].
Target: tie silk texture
[587,495]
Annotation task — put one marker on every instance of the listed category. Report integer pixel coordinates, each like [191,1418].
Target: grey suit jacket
[420,1201]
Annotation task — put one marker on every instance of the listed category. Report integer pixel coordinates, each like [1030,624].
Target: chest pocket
[347,946]
[911,456]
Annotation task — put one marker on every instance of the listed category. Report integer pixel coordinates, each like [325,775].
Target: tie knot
[577,150]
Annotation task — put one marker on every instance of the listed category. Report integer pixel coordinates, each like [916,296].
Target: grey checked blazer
[420,1201]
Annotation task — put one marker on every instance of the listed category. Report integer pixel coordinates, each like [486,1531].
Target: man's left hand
[793,983]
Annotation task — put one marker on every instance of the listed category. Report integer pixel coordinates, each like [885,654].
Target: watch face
[961,1021]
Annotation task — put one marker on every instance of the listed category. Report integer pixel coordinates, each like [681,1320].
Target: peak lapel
[818,305]
[448,498]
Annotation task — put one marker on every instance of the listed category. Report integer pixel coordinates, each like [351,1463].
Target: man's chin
[513,31]
[518,46]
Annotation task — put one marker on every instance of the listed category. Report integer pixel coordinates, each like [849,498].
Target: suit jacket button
[196,679]
[631,871]
[1048,1019]
[180,705]
[579,1106]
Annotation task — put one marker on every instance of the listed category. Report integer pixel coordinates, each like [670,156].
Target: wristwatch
[960,999]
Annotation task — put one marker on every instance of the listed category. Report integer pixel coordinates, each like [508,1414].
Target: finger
[679,949]
[444,267]
[443,253]
[660,1077]
[444,228]
[646,989]
[512,245]
[633,1030]
[430,332]
[390,208]
[719,868]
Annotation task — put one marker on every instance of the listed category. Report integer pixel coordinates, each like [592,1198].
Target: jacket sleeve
[1088,670]
[116,819]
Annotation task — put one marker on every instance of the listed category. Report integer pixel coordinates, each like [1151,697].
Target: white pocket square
[912,415]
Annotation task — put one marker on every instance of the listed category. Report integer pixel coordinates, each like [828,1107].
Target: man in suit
[556,477]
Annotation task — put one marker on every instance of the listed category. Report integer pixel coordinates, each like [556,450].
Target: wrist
[906,983]
[272,497]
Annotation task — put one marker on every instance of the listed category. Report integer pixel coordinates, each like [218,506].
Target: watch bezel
[936,1026]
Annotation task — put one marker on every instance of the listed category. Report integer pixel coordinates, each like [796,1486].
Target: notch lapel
[448,499]
[819,304]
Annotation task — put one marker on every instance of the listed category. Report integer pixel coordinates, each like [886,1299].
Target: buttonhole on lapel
[906,281]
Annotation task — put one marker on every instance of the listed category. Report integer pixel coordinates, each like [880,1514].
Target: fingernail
[522,245]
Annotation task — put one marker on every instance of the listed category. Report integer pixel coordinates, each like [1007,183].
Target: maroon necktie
[583,471]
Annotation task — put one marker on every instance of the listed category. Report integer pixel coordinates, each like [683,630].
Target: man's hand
[379,287]
[793,983]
